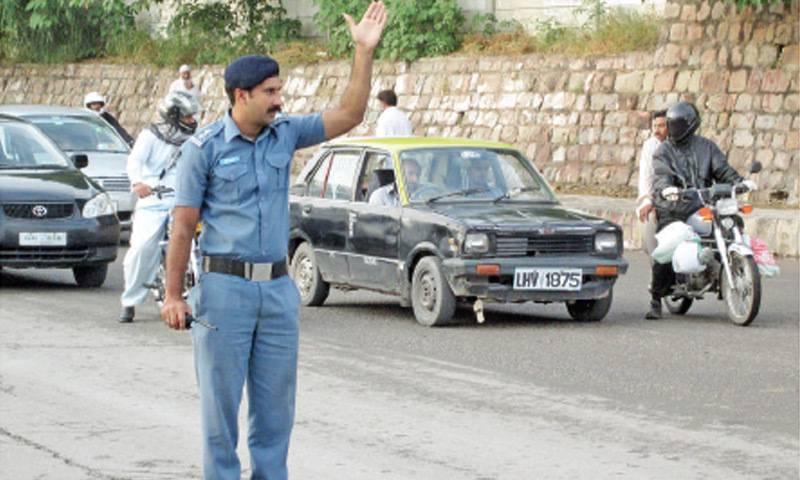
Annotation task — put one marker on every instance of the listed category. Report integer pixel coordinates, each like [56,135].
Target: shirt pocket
[279,170]
[230,181]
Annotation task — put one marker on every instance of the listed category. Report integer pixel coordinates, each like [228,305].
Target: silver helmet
[175,107]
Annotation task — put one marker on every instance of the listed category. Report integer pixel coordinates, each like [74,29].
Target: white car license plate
[42,239]
[568,279]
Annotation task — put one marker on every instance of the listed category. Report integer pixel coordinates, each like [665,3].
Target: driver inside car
[387,195]
[479,173]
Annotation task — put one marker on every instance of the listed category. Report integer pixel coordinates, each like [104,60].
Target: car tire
[431,297]
[590,310]
[90,276]
[313,289]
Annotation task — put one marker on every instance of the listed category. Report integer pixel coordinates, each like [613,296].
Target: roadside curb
[778,227]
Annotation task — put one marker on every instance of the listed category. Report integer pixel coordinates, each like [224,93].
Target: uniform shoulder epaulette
[205,133]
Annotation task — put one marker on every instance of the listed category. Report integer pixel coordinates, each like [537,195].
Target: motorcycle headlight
[727,206]
[476,243]
[98,206]
[605,242]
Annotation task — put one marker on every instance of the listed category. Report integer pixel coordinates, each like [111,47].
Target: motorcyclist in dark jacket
[685,160]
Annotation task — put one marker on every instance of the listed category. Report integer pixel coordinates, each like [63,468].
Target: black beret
[248,71]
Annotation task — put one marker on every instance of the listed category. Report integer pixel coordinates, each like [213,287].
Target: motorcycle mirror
[756,167]
[80,160]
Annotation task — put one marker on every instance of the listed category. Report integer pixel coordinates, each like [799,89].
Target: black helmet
[682,121]
[177,105]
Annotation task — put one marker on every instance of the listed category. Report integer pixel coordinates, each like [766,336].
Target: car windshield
[22,146]
[471,174]
[81,134]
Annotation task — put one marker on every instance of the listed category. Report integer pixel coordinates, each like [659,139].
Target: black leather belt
[250,271]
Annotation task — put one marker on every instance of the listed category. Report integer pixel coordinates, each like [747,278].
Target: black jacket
[119,128]
[696,163]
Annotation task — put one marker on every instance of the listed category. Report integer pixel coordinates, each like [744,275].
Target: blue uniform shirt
[242,187]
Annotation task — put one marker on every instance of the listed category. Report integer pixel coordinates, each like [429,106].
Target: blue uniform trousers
[256,342]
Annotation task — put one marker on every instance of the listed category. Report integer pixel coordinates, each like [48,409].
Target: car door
[324,211]
[374,231]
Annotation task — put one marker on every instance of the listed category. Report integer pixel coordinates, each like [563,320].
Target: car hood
[44,186]
[518,216]
[104,164]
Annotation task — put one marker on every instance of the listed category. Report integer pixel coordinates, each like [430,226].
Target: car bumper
[89,241]
[125,202]
[465,282]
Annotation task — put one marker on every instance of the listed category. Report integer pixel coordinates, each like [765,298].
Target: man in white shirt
[392,122]
[645,210]
[387,195]
[152,163]
[185,83]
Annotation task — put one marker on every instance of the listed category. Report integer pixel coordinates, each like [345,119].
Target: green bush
[757,3]
[416,28]
[62,30]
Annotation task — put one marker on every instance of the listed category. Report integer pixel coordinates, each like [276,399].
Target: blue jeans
[256,342]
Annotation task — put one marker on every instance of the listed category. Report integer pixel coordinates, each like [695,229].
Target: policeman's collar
[232,130]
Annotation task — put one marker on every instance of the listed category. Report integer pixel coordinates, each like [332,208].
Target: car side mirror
[756,167]
[80,160]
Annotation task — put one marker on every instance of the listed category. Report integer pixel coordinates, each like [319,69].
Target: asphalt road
[528,394]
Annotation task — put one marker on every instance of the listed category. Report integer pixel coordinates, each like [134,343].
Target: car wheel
[590,310]
[313,289]
[90,277]
[431,297]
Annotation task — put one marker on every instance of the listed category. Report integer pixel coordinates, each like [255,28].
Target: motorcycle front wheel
[744,300]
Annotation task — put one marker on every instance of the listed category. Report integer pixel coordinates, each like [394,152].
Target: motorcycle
[730,270]
[158,286]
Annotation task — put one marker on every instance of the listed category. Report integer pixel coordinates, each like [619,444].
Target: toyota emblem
[39,211]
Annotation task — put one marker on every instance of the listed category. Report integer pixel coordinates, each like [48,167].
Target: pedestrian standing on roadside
[185,83]
[645,210]
[96,102]
[234,174]
[392,122]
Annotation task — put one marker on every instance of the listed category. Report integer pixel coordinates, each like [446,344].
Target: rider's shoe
[655,310]
[126,315]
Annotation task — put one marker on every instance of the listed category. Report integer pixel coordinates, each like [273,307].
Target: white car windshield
[22,146]
[471,174]
[81,134]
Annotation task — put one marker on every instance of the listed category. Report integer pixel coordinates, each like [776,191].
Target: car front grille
[45,254]
[115,184]
[30,210]
[544,245]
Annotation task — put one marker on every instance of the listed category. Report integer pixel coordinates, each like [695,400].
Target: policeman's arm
[184,224]
[366,35]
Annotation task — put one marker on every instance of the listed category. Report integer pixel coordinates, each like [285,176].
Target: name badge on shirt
[228,160]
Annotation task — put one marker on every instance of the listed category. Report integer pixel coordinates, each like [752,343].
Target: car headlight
[605,242]
[98,206]
[476,243]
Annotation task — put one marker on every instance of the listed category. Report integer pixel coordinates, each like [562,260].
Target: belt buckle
[260,271]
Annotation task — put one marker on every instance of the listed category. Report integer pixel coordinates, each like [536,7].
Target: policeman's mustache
[275,109]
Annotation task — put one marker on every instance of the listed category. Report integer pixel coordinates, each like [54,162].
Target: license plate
[42,239]
[565,279]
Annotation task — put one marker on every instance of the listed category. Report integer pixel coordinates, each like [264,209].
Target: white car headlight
[476,243]
[605,242]
[98,206]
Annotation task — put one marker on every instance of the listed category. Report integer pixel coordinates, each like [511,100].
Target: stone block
[783,33]
[765,122]
[776,81]
[741,158]
[750,55]
[737,82]
[792,141]
[629,82]
[616,119]
[713,81]
[671,55]
[782,161]
[778,140]
[577,82]
[682,81]
[768,55]
[604,101]
[627,135]
[559,155]
[708,59]
[792,103]
[716,102]
[791,55]
[754,81]
[689,12]
[743,138]
[677,32]
[694,32]
[718,10]
[609,136]
[737,56]
[703,12]
[742,120]
[772,103]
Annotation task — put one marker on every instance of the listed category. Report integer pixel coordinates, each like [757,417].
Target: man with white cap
[185,83]
[96,102]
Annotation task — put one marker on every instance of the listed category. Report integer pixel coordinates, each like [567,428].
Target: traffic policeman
[235,175]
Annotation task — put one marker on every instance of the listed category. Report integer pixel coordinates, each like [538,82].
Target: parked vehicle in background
[79,131]
[51,214]
[476,223]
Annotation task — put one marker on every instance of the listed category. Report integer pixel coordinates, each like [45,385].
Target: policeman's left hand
[174,312]
[367,33]
[751,185]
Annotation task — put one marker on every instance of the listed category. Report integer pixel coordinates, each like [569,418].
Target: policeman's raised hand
[174,312]
[142,190]
[367,33]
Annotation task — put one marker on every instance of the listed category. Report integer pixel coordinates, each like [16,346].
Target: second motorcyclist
[685,160]
[152,163]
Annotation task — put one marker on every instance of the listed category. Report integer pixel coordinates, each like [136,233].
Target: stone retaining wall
[582,121]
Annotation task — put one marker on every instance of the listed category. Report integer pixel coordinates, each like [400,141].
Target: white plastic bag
[686,258]
[668,240]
